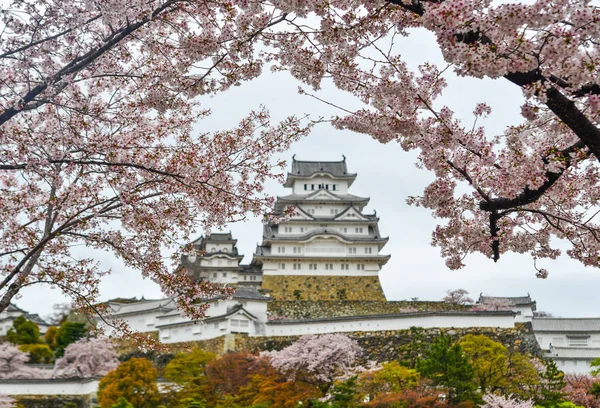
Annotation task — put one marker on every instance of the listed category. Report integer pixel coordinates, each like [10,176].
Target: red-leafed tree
[86,359]
[97,104]
[582,390]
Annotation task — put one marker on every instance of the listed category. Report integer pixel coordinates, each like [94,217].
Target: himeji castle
[327,248]
[316,270]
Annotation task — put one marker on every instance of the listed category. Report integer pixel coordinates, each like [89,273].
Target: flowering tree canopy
[457,297]
[7,402]
[98,100]
[318,357]
[97,104]
[492,304]
[12,364]
[86,359]
[498,401]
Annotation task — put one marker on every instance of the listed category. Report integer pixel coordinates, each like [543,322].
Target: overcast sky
[388,176]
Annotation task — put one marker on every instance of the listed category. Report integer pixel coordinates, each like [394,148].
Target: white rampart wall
[398,323]
[48,387]
[563,339]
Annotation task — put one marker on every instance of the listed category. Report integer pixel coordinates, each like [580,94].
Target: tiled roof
[116,309]
[566,324]
[308,168]
[335,197]
[250,293]
[515,301]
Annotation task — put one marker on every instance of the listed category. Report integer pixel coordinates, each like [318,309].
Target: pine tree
[446,365]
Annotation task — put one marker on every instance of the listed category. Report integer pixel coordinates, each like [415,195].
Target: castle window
[334,187]
[368,250]
[224,274]
[326,186]
[351,250]
[245,277]
[297,266]
[360,267]
[281,250]
[329,267]
[287,229]
[320,186]
[282,266]
[301,229]
[345,267]
[334,211]
[578,341]
[306,187]
[345,230]
[312,186]
[312,267]
[214,275]
[358,230]
[297,250]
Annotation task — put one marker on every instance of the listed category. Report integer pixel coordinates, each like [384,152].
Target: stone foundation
[324,287]
[303,309]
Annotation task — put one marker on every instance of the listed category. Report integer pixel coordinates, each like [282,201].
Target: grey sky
[388,176]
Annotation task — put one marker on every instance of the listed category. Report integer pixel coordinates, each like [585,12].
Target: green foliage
[68,333]
[595,366]
[552,382]
[187,367]
[24,332]
[344,394]
[563,404]
[122,403]
[446,365]
[38,353]
[413,351]
[488,358]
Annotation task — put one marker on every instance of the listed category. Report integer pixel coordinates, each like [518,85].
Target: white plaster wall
[574,366]
[389,324]
[213,247]
[5,326]
[193,332]
[49,388]
[341,185]
[560,339]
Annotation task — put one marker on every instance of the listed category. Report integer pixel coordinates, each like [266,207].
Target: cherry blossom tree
[498,401]
[12,364]
[321,358]
[7,402]
[458,297]
[85,359]
[494,193]
[492,304]
[97,103]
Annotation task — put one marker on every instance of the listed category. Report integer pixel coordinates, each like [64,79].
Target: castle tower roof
[302,170]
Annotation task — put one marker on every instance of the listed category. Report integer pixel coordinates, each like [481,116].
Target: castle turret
[216,259]
[327,249]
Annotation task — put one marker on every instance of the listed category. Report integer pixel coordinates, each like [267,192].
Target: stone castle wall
[323,287]
[388,345]
[303,309]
